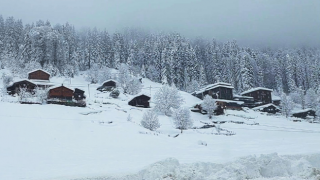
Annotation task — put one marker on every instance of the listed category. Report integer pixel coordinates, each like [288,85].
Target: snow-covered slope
[59,142]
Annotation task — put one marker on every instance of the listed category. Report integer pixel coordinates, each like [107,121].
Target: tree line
[162,57]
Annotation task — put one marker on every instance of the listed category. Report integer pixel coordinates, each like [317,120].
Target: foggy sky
[250,22]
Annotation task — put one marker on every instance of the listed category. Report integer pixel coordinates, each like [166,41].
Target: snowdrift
[271,166]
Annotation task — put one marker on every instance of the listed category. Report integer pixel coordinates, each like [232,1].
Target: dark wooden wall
[41,75]
[260,96]
[61,92]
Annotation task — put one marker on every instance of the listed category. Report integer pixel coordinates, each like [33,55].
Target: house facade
[39,75]
[218,90]
[260,95]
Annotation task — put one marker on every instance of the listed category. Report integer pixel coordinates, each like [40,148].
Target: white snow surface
[55,142]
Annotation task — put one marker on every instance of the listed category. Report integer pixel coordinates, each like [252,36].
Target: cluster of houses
[56,94]
[259,98]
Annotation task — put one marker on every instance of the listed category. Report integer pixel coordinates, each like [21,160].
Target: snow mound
[271,166]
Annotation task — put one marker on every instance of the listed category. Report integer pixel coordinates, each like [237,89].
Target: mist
[262,23]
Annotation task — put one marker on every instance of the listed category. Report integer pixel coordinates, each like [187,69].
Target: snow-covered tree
[182,119]
[286,105]
[311,98]
[167,98]
[93,74]
[6,80]
[150,120]
[41,95]
[130,84]
[209,105]
[25,95]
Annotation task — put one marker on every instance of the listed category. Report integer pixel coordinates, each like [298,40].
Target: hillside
[59,142]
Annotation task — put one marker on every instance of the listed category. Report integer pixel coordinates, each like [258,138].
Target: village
[258,99]
[91,124]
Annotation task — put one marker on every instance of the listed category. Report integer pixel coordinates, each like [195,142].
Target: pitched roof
[302,111]
[141,94]
[110,80]
[53,87]
[264,106]
[39,70]
[215,85]
[256,89]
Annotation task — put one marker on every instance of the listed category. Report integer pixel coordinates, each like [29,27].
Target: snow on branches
[167,98]
[150,120]
[182,119]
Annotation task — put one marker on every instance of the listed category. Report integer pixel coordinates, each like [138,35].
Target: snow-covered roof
[215,85]
[302,110]
[256,89]
[238,96]
[275,98]
[110,80]
[229,101]
[39,70]
[140,94]
[53,87]
[264,106]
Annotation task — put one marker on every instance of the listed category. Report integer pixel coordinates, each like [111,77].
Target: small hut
[141,100]
[269,108]
[78,94]
[304,113]
[61,92]
[39,74]
[108,85]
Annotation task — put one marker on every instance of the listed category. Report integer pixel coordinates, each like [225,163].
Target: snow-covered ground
[42,142]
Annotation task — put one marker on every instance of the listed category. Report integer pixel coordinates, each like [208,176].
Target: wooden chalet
[39,74]
[28,84]
[269,108]
[260,95]
[304,113]
[218,90]
[61,92]
[141,100]
[108,85]
[16,86]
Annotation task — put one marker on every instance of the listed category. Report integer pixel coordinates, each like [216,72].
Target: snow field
[42,142]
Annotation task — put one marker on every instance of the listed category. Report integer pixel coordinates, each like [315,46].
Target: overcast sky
[250,22]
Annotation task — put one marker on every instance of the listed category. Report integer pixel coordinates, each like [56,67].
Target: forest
[169,58]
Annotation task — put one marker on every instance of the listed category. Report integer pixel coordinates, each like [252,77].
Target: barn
[218,90]
[108,85]
[260,95]
[39,74]
[269,108]
[60,92]
[141,100]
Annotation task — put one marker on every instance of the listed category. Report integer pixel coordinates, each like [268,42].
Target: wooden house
[140,101]
[16,86]
[269,108]
[260,95]
[39,75]
[61,92]
[108,85]
[304,113]
[218,90]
